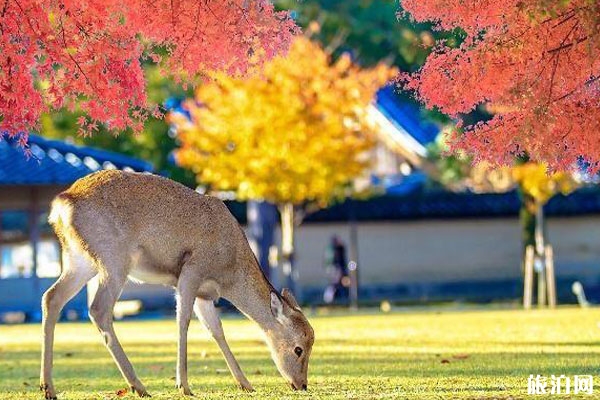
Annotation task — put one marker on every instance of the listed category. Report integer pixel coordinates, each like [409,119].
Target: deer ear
[277,307]
[289,297]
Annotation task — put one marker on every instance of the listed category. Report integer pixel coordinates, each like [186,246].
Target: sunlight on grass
[426,355]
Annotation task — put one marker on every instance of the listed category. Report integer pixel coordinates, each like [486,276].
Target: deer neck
[251,295]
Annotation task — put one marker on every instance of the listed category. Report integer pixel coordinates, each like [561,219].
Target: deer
[116,225]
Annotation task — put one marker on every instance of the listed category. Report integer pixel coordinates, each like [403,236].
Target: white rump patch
[61,211]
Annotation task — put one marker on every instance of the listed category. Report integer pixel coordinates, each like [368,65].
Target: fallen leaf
[69,354]
[25,383]
[257,372]
[445,361]
[121,392]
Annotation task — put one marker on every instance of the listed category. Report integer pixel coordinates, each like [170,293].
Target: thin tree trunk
[540,253]
[527,220]
[353,263]
[540,242]
[287,246]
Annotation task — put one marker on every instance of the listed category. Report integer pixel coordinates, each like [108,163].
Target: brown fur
[116,224]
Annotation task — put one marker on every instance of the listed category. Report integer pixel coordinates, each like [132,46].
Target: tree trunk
[527,220]
[533,224]
[353,263]
[287,247]
[262,221]
[540,254]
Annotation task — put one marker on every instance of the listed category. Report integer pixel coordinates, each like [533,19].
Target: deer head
[291,340]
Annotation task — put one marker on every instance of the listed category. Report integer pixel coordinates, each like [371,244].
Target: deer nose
[304,387]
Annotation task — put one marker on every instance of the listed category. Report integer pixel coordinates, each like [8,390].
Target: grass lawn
[420,355]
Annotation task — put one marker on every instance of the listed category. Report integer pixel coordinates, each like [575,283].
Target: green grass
[424,355]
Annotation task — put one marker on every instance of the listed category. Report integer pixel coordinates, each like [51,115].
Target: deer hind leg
[187,288]
[77,271]
[101,313]
[208,315]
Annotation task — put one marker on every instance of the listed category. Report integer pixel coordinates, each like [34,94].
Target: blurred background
[339,178]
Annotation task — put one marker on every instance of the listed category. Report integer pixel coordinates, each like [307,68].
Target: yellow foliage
[294,132]
[537,183]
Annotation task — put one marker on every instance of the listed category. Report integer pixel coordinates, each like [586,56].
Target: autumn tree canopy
[294,133]
[87,54]
[535,182]
[535,65]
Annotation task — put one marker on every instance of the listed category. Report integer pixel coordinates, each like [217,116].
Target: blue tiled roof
[431,204]
[406,115]
[400,185]
[57,162]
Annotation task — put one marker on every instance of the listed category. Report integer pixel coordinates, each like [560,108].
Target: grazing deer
[116,225]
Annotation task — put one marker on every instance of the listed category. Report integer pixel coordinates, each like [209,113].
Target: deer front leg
[186,293]
[208,315]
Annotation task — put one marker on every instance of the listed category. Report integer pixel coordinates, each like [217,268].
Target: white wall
[448,250]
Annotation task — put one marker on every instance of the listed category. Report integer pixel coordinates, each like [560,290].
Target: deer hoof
[140,391]
[247,387]
[185,390]
[49,393]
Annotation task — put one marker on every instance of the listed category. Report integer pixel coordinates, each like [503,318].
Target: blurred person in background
[336,267]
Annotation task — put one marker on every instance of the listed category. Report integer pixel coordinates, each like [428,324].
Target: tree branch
[27,18]
[589,81]
[568,45]
[5,7]
[3,13]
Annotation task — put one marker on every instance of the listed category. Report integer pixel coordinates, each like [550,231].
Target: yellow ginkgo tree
[537,187]
[535,181]
[294,134]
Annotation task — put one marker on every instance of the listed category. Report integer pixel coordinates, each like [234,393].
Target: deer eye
[298,351]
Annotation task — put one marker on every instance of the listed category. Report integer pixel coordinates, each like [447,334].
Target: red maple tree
[87,54]
[535,65]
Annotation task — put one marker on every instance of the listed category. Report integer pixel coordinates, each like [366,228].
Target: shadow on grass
[545,344]
[25,365]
